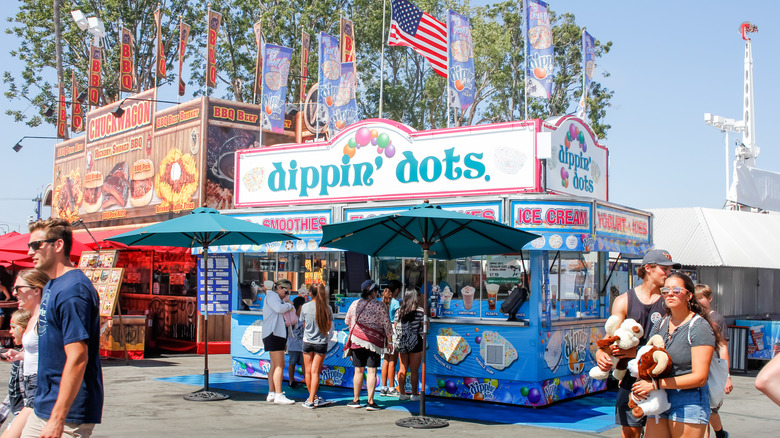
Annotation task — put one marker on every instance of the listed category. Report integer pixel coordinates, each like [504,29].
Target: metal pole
[206,317]
[382,63]
[425,329]
[57,40]
[727,165]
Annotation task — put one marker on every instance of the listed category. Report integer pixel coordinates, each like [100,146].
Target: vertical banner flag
[159,70]
[329,77]
[95,68]
[77,116]
[258,28]
[126,61]
[62,113]
[344,110]
[411,27]
[305,46]
[347,40]
[276,68]
[461,61]
[184,36]
[539,55]
[588,59]
[215,19]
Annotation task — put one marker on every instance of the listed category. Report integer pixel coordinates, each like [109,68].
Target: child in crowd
[14,401]
[295,343]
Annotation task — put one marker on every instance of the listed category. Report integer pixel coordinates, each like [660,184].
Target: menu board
[220,279]
[100,268]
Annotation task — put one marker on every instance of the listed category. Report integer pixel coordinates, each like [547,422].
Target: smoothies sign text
[381,161]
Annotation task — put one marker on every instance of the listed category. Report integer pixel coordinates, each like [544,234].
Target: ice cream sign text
[568,216]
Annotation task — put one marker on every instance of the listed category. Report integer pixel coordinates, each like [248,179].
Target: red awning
[102,234]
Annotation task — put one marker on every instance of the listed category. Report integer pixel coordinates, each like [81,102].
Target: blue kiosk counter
[549,178]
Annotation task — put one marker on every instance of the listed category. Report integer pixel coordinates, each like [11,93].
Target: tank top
[30,344]
[647,315]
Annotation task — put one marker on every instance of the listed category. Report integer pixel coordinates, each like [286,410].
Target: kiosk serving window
[574,285]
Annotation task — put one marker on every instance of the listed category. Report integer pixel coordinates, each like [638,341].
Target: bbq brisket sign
[124,171]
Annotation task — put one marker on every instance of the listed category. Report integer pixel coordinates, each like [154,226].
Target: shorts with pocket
[315,348]
[30,383]
[362,357]
[274,343]
[690,406]
[294,357]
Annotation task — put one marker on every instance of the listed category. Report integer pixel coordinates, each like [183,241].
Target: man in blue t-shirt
[69,397]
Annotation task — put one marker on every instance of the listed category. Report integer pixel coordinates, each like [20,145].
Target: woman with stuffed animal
[690,341]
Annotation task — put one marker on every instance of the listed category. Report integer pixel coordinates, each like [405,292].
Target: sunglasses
[35,245]
[674,290]
[19,287]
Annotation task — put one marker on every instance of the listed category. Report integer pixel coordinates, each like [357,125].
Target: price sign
[220,280]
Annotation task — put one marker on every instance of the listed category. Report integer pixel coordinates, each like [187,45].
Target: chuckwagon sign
[381,160]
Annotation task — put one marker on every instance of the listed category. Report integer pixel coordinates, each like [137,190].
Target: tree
[413,93]
[33,26]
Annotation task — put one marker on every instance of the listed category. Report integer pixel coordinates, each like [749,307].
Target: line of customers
[376,329]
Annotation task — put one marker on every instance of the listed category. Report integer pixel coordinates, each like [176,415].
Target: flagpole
[447,83]
[178,97]
[584,72]
[382,64]
[525,61]
[158,24]
[262,89]
[206,76]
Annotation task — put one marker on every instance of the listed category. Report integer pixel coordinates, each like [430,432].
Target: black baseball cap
[660,257]
[369,285]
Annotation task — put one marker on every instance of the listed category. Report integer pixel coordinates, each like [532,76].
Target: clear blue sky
[670,63]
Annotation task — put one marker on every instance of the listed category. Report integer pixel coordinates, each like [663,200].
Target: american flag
[409,26]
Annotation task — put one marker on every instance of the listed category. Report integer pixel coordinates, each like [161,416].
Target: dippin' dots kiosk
[547,177]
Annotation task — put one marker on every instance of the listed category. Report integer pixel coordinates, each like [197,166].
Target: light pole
[725,125]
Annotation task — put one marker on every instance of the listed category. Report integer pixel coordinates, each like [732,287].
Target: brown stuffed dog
[652,363]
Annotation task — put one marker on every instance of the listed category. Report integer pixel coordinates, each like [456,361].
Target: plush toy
[652,362]
[625,336]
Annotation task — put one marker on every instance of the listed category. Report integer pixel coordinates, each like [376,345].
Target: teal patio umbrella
[202,228]
[421,231]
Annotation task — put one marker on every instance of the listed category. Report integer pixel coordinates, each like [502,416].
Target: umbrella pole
[204,394]
[421,421]
[206,319]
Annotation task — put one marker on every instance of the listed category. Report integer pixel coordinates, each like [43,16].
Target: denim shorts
[690,406]
[295,358]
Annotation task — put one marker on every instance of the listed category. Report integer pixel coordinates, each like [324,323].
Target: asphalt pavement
[137,405]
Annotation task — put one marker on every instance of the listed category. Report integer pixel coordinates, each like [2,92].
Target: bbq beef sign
[137,168]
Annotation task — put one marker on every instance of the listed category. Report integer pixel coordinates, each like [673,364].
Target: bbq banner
[95,68]
[344,110]
[184,35]
[276,67]
[77,111]
[215,19]
[347,40]
[126,61]
[305,47]
[258,28]
[330,74]
[539,55]
[461,61]
[160,70]
[62,113]
[138,168]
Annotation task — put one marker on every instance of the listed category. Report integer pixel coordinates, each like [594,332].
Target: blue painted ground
[595,413]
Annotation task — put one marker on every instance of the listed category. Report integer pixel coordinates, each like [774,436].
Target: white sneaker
[281,399]
[414,397]
[270,398]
